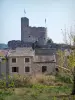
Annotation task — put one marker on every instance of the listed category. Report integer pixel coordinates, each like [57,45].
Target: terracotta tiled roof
[3,52]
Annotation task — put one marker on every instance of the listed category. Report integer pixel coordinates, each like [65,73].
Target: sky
[59,14]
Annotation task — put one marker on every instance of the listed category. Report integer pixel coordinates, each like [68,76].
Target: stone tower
[24,25]
[32,34]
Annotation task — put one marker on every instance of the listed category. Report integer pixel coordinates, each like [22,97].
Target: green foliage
[26,90]
[49,41]
[66,62]
[64,78]
[21,81]
[4,82]
[55,98]
[60,58]
[4,93]
[48,93]
[71,59]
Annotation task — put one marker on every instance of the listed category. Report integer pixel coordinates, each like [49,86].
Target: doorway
[44,69]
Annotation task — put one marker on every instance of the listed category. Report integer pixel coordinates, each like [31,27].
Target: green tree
[49,40]
[60,58]
[71,65]
[62,61]
[70,39]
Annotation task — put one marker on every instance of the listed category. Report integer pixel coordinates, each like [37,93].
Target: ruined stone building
[32,34]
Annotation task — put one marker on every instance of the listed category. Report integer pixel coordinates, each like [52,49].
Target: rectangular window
[26,59]
[44,68]
[13,60]
[27,69]
[15,69]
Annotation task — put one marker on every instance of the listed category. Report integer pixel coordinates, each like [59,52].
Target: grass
[39,92]
[39,87]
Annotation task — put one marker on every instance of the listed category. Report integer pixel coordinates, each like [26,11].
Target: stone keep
[32,34]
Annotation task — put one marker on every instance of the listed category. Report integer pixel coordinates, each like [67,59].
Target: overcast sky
[58,13]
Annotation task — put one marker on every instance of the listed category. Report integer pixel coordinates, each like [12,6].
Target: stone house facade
[25,61]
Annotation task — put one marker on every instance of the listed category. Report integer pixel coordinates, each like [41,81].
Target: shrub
[21,81]
[64,78]
[43,79]
[29,81]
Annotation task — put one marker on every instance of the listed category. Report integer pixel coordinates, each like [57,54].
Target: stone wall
[34,66]
[37,68]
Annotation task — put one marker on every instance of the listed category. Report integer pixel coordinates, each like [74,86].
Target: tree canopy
[49,40]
